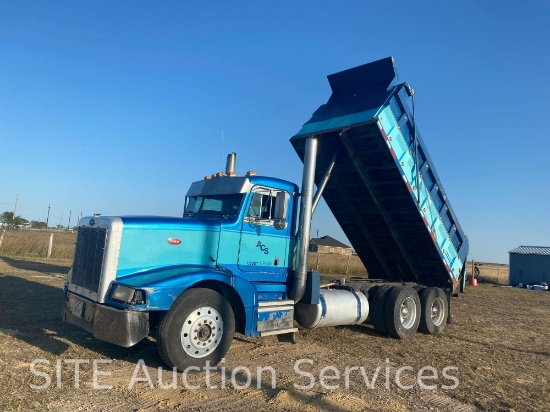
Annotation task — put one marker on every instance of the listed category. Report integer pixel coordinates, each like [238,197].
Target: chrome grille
[88,257]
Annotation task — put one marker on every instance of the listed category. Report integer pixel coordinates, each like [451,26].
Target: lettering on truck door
[265,233]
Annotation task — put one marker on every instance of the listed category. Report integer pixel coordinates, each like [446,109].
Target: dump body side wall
[384,190]
[422,180]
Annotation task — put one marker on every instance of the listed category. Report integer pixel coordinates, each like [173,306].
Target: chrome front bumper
[121,327]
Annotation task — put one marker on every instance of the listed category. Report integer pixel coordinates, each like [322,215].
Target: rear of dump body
[384,190]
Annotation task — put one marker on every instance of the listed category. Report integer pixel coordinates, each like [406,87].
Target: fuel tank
[335,307]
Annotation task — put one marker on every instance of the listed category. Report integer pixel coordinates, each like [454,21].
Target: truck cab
[234,244]
[256,216]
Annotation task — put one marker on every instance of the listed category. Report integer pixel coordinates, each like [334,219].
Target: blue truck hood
[166,222]
[149,243]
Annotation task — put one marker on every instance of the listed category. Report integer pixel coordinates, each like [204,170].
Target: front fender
[164,285]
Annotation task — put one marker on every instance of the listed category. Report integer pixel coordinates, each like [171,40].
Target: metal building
[529,265]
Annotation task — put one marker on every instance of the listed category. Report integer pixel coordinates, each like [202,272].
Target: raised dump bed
[384,189]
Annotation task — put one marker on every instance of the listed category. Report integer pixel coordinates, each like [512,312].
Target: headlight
[128,295]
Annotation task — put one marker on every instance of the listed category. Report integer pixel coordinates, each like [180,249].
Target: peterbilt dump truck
[237,260]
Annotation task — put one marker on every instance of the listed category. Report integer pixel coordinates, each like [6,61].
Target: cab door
[265,235]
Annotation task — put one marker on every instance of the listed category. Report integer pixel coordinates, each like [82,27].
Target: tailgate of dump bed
[384,190]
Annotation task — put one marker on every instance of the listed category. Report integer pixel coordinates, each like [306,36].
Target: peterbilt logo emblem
[174,241]
[92,222]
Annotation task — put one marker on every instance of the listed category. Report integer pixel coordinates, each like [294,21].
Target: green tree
[10,221]
[35,224]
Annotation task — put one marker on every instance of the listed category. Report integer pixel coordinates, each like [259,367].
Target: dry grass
[27,243]
[490,273]
[332,264]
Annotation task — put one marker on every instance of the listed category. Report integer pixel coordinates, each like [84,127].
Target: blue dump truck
[237,260]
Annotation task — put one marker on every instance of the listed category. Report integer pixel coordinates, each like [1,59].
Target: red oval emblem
[174,241]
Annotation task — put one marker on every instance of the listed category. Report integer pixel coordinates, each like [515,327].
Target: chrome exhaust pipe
[308,181]
[230,165]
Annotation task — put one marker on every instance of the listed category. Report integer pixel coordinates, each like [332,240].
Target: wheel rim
[202,332]
[438,311]
[408,313]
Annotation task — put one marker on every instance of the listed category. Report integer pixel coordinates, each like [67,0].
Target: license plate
[78,308]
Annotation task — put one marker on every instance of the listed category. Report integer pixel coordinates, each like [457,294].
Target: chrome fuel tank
[335,307]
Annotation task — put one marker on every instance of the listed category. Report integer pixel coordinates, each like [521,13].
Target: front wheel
[198,327]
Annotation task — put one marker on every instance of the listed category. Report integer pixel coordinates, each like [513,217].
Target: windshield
[226,205]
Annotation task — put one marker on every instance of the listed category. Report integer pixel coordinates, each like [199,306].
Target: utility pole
[69,225]
[61,221]
[48,218]
[15,207]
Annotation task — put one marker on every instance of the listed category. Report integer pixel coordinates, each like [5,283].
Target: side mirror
[279,224]
[280,211]
[281,205]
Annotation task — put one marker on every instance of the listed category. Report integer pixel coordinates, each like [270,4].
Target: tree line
[10,221]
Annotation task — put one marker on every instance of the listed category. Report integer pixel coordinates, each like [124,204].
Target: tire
[434,311]
[367,290]
[377,303]
[402,312]
[189,334]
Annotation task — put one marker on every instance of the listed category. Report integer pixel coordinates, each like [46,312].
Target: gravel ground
[497,350]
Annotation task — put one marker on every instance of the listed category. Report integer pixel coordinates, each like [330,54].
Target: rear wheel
[377,296]
[434,311]
[402,312]
[198,327]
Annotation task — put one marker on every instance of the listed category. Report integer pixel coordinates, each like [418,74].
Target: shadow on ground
[31,311]
[31,306]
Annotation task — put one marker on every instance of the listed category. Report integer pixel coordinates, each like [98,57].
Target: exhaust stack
[308,180]
[230,165]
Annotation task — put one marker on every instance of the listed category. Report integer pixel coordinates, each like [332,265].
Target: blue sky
[116,107]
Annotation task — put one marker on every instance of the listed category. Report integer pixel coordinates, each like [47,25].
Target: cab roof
[237,184]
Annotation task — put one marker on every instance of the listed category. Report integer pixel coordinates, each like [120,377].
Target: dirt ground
[498,345]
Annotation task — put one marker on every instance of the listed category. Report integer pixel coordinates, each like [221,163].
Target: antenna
[223,153]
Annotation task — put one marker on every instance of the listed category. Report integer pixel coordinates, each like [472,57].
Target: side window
[267,206]
[256,206]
